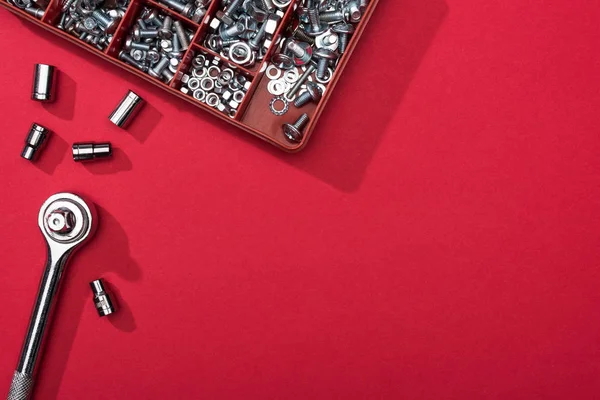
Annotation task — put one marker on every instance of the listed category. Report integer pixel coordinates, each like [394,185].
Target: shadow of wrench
[67,222]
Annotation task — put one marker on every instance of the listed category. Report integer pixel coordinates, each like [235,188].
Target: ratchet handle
[21,387]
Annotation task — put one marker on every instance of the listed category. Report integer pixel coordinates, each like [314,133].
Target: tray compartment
[215,82]
[253,115]
[92,22]
[146,44]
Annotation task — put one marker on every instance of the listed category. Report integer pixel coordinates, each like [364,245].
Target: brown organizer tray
[253,115]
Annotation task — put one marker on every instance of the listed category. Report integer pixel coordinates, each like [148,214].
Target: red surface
[438,238]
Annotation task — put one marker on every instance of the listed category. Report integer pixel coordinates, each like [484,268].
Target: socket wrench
[67,222]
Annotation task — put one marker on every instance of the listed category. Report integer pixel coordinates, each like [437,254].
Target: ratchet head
[66,221]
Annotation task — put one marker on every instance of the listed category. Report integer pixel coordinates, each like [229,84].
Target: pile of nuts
[194,11]
[36,8]
[307,59]
[156,45]
[244,30]
[216,84]
[92,21]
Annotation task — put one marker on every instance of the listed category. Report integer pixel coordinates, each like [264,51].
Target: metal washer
[284,110]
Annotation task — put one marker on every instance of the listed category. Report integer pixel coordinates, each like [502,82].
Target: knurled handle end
[21,387]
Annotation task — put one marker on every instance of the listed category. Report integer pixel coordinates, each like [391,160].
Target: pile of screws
[34,8]
[156,45]
[308,58]
[194,11]
[216,84]
[244,30]
[92,21]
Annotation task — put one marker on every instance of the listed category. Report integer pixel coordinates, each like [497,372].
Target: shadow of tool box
[211,72]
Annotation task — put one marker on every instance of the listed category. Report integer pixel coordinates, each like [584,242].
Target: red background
[438,238]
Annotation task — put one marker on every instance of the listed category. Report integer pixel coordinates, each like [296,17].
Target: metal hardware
[279,111]
[102,301]
[67,222]
[91,151]
[43,83]
[294,132]
[33,143]
[126,110]
[311,94]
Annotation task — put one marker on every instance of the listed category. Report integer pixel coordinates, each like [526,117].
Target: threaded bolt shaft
[258,38]
[102,18]
[183,39]
[332,16]
[176,44]
[301,35]
[61,23]
[314,18]
[303,99]
[235,4]
[176,5]
[160,67]
[322,66]
[301,122]
[140,46]
[233,31]
[296,49]
[343,42]
[311,68]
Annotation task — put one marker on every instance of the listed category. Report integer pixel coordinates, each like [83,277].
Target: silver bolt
[325,57]
[344,31]
[258,37]
[130,44]
[139,34]
[316,26]
[107,23]
[233,31]
[159,68]
[293,132]
[311,68]
[182,8]
[312,93]
[129,60]
[165,31]
[183,38]
[226,17]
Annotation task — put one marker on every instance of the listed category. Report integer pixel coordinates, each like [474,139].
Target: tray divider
[53,12]
[123,29]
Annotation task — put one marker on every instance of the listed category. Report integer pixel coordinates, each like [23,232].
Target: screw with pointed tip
[293,132]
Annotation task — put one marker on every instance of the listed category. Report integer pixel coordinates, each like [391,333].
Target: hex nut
[215,24]
[271,27]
